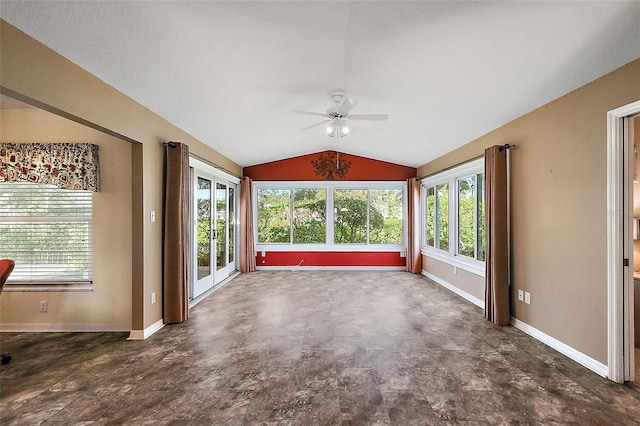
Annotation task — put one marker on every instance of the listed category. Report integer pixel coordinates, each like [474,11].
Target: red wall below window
[301,169]
[328,258]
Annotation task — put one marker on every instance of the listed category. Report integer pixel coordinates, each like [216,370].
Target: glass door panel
[225,225]
[203,262]
[221,225]
[232,225]
[204,228]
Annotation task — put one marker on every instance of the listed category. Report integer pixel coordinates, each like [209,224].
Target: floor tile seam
[54,413]
[39,394]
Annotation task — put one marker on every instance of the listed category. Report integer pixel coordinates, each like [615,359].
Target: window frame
[329,244]
[62,285]
[451,255]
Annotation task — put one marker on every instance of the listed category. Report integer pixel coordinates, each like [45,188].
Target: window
[371,216]
[453,216]
[292,216]
[274,213]
[386,216]
[442,215]
[48,232]
[351,216]
[471,225]
[331,214]
[481,226]
[467,216]
[437,216]
[309,216]
[430,219]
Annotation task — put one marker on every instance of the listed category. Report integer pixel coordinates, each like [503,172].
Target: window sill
[475,267]
[26,288]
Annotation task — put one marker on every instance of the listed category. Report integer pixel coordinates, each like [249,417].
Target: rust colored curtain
[176,234]
[414,258]
[496,301]
[247,249]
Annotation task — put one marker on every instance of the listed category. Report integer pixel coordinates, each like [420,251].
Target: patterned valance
[66,165]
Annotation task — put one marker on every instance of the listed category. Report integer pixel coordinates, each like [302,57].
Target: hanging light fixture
[337,128]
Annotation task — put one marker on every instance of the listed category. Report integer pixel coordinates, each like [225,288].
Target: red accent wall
[328,258]
[301,169]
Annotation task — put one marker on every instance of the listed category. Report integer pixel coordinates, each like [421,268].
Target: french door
[213,227]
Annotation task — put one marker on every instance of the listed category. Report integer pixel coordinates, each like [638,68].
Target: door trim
[619,322]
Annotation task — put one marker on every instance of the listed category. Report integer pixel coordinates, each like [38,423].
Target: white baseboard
[471,298]
[62,328]
[571,353]
[330,268]
[592,364]
[143,334]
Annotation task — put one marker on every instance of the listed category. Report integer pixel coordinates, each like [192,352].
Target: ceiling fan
[337,116]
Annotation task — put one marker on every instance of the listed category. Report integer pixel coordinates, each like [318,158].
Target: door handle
[214,234]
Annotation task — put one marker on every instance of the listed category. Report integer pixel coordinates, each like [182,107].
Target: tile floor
[310,348]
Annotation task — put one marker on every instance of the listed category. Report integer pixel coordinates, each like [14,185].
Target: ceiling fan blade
[316,125]
[346,106]
[372,117]
[299,111]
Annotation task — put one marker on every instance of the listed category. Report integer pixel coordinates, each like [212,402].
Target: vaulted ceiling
[230,72]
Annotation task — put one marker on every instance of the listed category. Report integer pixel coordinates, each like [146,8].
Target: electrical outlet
[43,306]
[153,298]
[521,295]
[527,297]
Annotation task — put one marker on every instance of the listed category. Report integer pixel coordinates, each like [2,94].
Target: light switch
[153,216]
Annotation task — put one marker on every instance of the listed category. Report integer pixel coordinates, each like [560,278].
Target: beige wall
[466,281]
[108,306]
[559,211]
[35,74]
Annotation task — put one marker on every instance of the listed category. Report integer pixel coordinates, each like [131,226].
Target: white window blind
[48,232]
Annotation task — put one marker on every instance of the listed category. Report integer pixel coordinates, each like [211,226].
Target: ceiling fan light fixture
[331,130]
[337,117]
[338,128]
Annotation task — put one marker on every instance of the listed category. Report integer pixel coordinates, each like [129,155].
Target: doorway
[633,130]
[213,225]
[620,241]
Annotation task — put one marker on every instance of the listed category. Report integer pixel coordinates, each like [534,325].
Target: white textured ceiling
[230,72]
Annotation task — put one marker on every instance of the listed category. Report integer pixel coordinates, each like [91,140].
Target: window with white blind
[48,232]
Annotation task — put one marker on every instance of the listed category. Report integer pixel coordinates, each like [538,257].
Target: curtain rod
[173,144]
[506,146]
[502,148]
